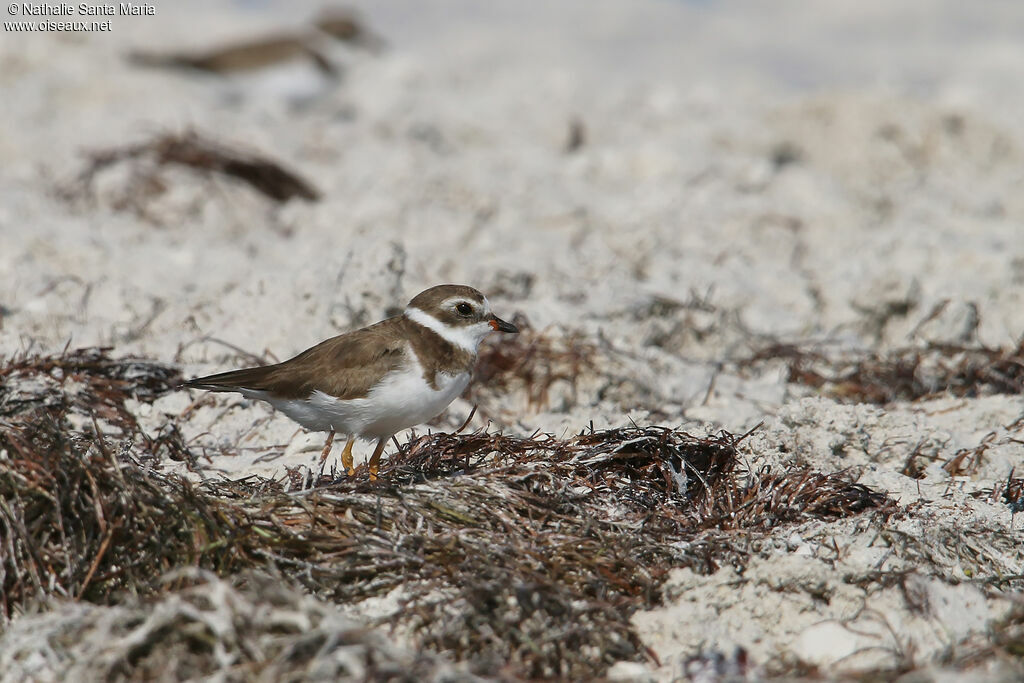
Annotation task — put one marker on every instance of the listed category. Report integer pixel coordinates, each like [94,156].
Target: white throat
[467,338]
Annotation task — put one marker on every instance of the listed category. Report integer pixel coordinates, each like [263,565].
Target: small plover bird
[377,381]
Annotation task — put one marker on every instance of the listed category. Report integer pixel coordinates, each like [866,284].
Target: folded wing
[346,366]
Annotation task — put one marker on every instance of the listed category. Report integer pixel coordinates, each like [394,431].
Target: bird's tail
[233,380]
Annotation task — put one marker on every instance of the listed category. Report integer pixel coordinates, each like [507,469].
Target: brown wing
[346,366]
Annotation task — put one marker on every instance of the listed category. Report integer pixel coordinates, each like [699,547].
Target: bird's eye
[463,308]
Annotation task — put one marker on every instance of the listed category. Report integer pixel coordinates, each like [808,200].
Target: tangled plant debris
[84,382]
[87,388]
[1010,493]
[254,627]
[900,375]
[198,153]
[83,521]
[526,555]
[532,362]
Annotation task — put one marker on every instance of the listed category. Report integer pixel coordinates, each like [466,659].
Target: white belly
[403,399]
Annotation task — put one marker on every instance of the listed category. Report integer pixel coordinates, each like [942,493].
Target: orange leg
[375,458]
[327,449]
[346,457]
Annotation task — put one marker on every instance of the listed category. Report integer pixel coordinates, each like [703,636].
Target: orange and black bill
[499,325]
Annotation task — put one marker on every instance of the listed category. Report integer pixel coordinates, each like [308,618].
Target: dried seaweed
[900,375]
[254,628]
[79,522]
[1013,493]
[71,497]
[531,362]
[193,151]
[86,381]
[521,554]
[532,553]
[1010,493]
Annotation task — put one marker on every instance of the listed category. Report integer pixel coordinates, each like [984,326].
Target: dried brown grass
[532,362]
[522,555]
[900,375]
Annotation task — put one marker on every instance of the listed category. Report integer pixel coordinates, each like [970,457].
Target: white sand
[441,160]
